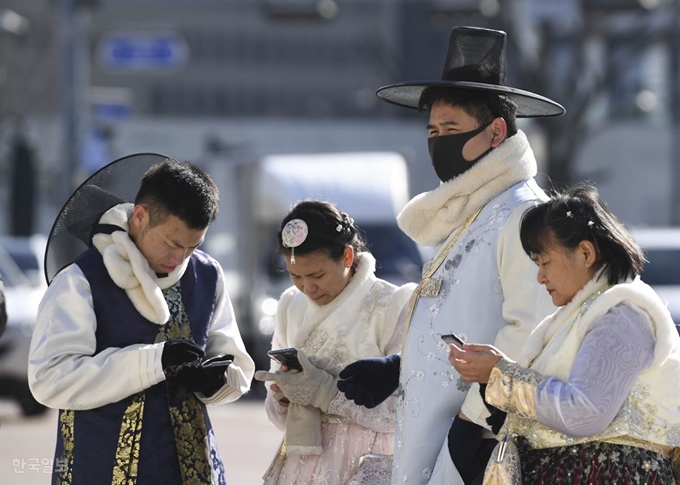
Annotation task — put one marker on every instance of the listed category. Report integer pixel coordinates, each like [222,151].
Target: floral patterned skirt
[595,463]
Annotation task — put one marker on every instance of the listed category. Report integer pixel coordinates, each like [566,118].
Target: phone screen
[452,338]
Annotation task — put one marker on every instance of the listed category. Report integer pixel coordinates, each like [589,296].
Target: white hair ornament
[294,233]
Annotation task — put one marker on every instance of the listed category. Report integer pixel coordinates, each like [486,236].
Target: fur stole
[432,216]
[592,302]
[129,269]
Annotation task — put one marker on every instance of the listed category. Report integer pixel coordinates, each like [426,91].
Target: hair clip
[338,227]
[294,233]
[569,214]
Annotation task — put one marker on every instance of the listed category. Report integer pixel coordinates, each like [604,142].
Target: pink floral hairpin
[294,233]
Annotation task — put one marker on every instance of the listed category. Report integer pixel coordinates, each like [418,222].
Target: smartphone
[287,357]
[452,338]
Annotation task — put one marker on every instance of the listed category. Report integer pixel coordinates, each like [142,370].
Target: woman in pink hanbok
[335,313]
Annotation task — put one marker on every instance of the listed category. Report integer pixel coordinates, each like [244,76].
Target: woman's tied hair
[579,214]
[329,230]
[346,226]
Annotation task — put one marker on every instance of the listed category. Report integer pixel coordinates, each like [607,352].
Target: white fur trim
[432,216]
[129,269]
[635,292]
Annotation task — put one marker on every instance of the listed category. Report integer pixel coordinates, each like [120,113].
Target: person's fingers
[349,371]
[264,376]
[487,349]
[275,387]
[369,402]
[351,390]
[360,397]
[190,346]
[304,361]
[456,352]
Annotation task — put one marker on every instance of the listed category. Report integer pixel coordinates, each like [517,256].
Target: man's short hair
[179,189]
[475,103]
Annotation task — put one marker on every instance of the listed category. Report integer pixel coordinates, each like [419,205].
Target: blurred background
[275,98]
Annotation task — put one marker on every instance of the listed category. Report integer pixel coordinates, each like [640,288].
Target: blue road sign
[142,51]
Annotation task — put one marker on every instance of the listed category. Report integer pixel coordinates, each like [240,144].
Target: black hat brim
[529,105]
[112,184]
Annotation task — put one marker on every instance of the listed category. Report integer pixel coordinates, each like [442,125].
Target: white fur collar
[432,216]
[546,329]
[129,269]
[635,292]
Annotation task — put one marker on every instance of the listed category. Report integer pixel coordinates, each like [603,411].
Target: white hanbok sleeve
[225,338]
[616,349]
[381,418]
[63,371]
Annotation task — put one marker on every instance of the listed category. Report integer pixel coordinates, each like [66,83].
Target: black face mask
[446,152]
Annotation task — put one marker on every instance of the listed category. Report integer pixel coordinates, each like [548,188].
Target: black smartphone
[287,357]
[452,338]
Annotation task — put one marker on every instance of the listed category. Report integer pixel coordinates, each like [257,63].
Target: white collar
[130,270]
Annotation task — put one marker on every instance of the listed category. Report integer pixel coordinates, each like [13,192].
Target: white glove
[310,387]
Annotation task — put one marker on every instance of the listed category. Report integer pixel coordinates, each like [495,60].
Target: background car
[21,262]
[662,272]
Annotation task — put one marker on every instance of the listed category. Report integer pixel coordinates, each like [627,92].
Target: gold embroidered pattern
[186,412]
[67,420]
[512,388]
[635,417]
[127,452]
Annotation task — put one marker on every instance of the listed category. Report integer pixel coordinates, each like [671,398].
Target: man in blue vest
[137,335]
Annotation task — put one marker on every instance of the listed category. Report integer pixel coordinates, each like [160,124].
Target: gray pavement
[246,440]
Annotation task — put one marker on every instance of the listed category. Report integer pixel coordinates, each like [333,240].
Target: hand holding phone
[287,357]
[452,338]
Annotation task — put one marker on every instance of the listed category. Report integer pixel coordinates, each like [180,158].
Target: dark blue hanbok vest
[96,431]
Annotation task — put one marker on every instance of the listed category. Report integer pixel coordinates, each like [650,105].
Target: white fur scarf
[432,216]
[130,270]
[635,292]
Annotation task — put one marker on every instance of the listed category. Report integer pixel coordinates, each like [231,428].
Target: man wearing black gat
[135,337]
[479,285]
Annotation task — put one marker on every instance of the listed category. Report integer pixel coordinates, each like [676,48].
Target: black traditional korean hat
[476,60]
[78,220]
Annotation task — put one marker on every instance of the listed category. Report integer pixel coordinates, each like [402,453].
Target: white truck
[372,187]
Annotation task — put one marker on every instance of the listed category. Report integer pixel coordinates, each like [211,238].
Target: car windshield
[663,267]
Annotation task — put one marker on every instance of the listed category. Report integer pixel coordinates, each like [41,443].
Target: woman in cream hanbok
[335,313]
[595,397]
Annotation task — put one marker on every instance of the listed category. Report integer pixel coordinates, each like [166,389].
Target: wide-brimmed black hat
[476,60]
[113,184]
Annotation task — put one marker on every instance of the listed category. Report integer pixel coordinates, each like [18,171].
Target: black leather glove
[208,377]
[179,351]
[368,382]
